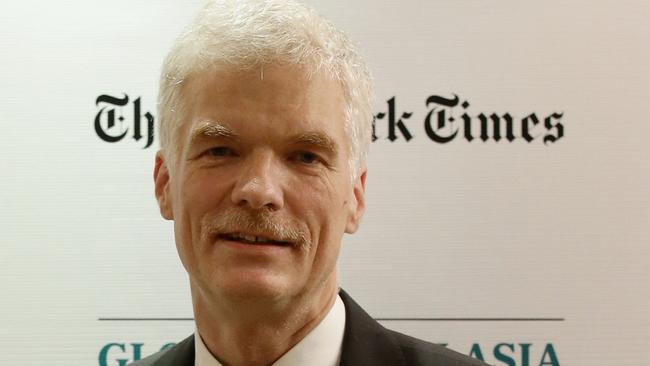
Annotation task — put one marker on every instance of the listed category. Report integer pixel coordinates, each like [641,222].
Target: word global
[502,354]
[442,123]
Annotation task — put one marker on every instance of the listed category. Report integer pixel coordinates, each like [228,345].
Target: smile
[252,239]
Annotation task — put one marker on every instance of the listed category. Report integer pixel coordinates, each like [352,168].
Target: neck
[258,333]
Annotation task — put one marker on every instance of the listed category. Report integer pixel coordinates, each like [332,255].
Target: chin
[254,286]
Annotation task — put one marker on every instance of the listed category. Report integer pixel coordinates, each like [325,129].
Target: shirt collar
[321,347]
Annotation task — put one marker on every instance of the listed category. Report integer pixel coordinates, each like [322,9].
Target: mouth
[252,239]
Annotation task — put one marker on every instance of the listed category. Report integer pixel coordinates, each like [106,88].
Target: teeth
[252,238]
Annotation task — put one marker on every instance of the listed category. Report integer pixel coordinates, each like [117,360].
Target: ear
[358,204]
[161,184]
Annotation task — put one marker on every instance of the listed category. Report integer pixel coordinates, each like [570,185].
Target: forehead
[278,96]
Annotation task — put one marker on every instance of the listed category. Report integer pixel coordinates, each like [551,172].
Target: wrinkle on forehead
[299,90]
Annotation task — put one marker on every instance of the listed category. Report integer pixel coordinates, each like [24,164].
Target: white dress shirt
[321,347]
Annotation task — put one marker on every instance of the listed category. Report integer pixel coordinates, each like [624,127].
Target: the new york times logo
[111,125]
[450,119]
[446,120]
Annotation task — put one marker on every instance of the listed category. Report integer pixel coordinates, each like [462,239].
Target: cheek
[200,192]
[327,243]
[324,209]
[199,195]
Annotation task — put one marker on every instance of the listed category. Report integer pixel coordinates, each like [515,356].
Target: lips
[252,239]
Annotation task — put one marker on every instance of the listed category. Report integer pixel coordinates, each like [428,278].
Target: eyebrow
[211,130]
[317,139]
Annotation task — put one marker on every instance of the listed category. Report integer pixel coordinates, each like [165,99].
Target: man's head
[265,121]
[245,34]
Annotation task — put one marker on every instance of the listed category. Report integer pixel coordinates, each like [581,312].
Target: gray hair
[248,33]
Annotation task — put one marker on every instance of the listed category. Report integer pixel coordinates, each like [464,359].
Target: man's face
[260,192]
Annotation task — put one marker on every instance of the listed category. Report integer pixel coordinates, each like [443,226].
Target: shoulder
[366,342]
[182,354]
[419,352]
[149,360]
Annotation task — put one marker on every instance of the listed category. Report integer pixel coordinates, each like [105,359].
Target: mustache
[260,222]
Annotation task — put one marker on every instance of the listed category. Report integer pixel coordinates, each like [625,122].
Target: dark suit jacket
[365,343]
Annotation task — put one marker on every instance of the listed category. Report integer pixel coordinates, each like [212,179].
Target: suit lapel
[181,354]
[366,342]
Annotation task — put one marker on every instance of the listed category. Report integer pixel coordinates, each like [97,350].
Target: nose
[259,184]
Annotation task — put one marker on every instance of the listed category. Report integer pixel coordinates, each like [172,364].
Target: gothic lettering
[441,118]
[392,123]
[105,120]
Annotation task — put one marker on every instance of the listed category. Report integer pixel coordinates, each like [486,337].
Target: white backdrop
[469,230]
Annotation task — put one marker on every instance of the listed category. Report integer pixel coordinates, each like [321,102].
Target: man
[265,113]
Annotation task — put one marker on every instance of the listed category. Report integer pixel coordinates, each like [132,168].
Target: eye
[220,151]
[306,157]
